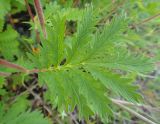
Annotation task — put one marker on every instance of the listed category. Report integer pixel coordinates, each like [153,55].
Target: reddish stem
[29,10]
[39,11]
[32,17]
[11,65]
[17,67]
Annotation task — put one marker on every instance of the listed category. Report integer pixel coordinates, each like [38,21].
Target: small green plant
[82,70]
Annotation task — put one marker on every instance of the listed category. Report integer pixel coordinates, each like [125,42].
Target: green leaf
[114,82]
[55,88]
[81,39]
[71,14]
[28,117]
[2,80]
[59,87]
[108,35]
[16,114]
[123,60]
[94,94]
[5,8]
[52,49]
[17,108]
[1,24]
[9,43]
[20,1]
[66,83]
[80,80]
[56,38]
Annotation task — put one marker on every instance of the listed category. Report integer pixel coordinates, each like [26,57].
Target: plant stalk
[39,11]
[133,112]
[29,10]
[32,18]
[12,65]
[136,105]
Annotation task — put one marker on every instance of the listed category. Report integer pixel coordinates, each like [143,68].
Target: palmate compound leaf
[73,83]
[17,114]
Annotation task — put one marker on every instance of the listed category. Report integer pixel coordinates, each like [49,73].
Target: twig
[145,21]
[149,19]
[132,104]
[39,11]
[114,10]
[13,99]
[11,65]
[133,112]
[117,7]
[37,97]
